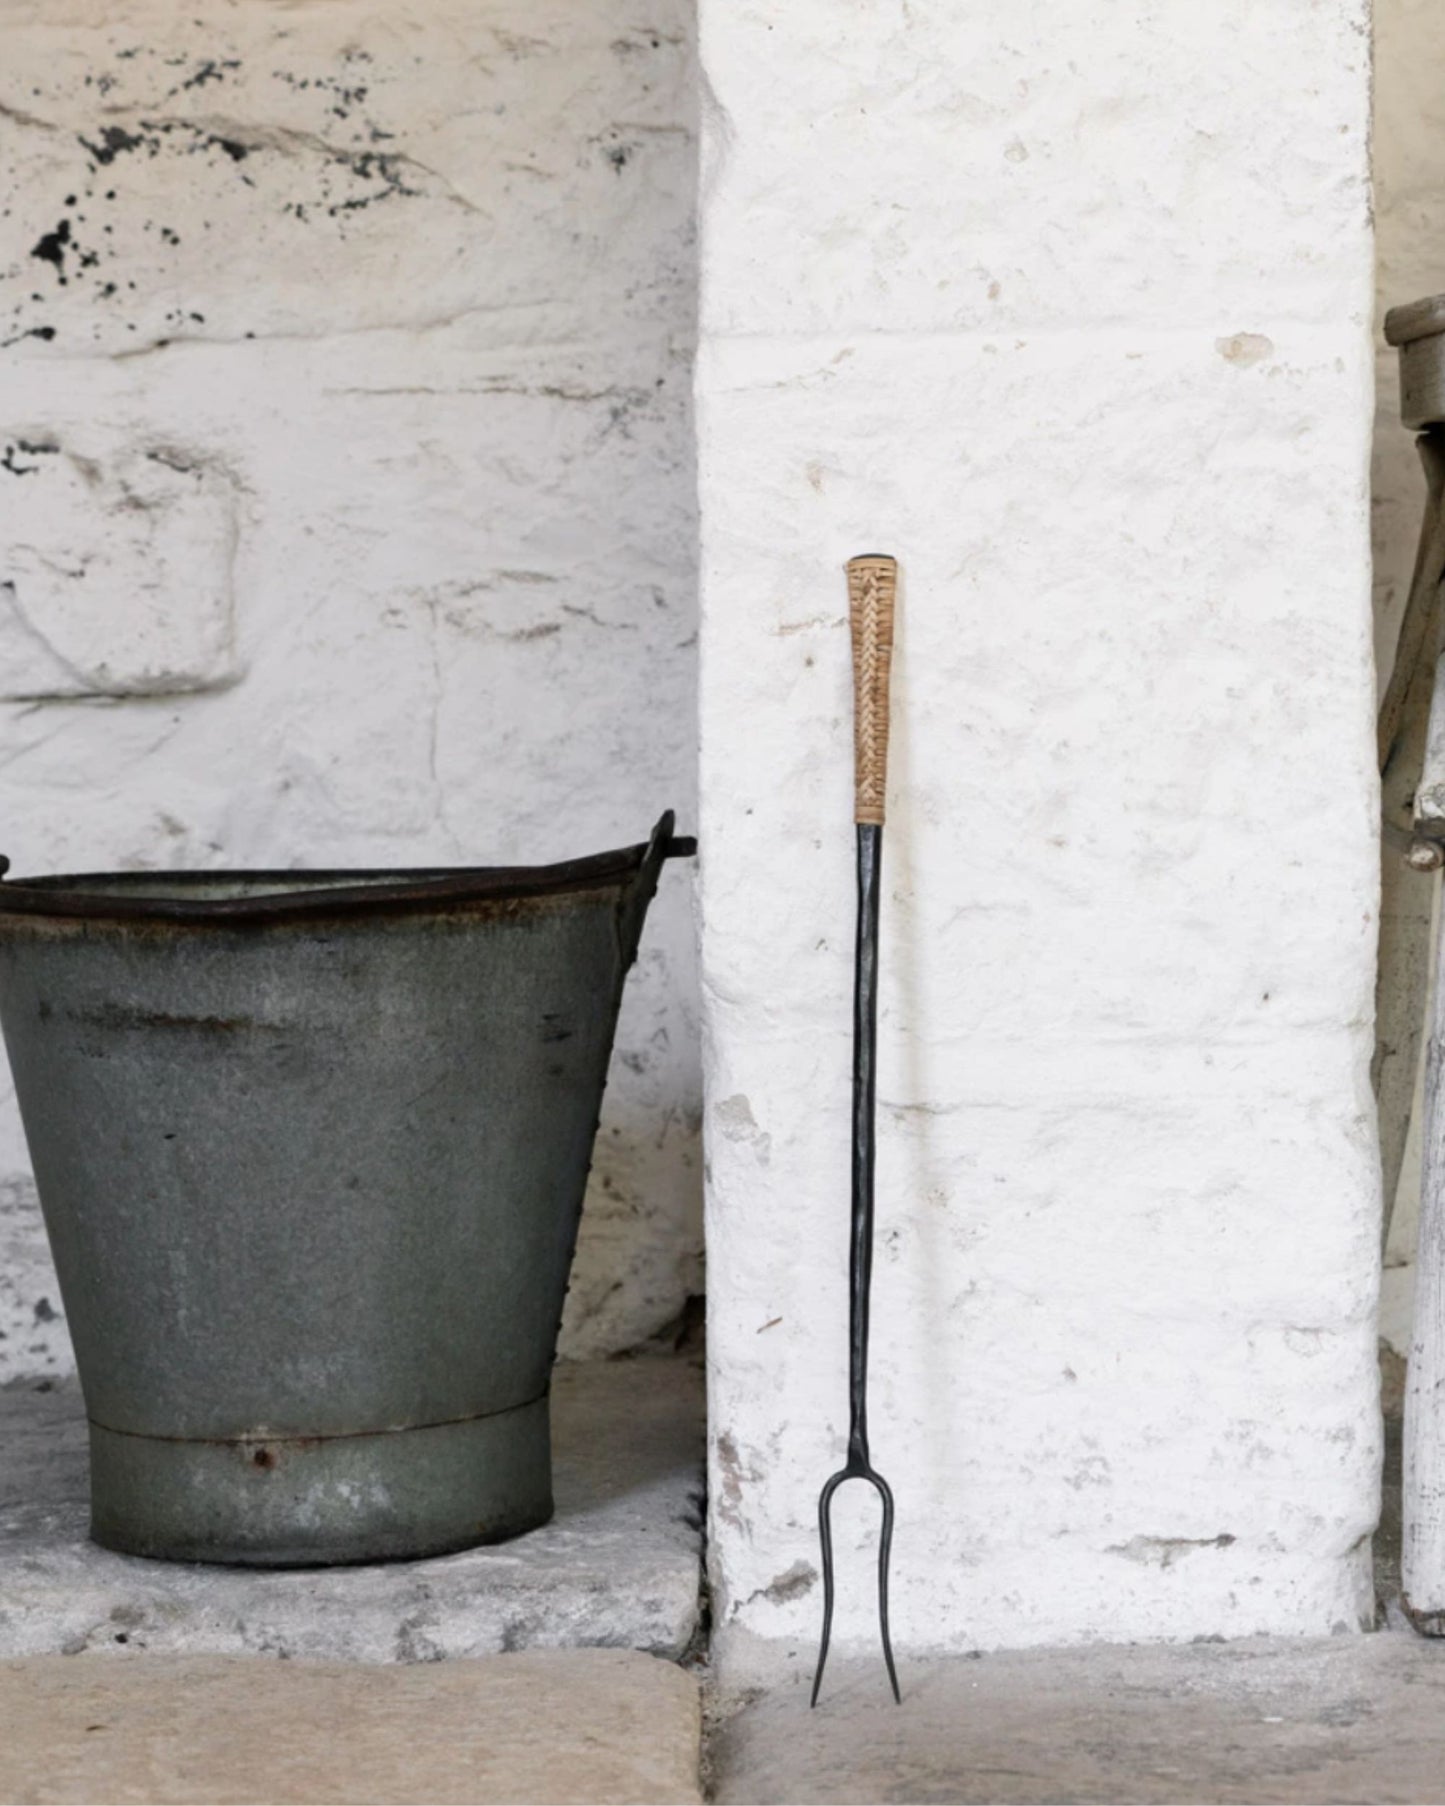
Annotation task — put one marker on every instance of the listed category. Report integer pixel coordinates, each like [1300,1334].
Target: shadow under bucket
[311,1149]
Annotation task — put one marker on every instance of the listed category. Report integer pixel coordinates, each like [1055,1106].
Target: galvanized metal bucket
[311,1148]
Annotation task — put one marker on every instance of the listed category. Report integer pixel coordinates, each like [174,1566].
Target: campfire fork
[872,587]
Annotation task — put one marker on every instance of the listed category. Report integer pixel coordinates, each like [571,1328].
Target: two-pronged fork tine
[885,1544]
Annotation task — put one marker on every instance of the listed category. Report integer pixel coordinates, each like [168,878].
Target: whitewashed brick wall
[1069,309]
[346,505]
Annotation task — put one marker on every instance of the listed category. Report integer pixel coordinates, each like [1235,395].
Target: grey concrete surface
[618,1565]
[1344,1719]
[594,1725]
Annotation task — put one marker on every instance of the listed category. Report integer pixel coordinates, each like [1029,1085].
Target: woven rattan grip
[872,586]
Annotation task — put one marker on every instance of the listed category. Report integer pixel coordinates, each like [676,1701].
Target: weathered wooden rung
[1417,331]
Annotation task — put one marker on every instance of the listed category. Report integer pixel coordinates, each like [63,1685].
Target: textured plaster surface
[346,505]
[623,1727]
[618,1565]
[1347,1718]
[1409,172]
[1075,322]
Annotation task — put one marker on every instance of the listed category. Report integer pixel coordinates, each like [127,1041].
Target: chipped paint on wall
[346,493]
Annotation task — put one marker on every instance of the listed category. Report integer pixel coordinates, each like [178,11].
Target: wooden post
[1423,1549]
[1412,765]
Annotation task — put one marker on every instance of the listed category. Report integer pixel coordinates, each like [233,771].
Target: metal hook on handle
[661,846]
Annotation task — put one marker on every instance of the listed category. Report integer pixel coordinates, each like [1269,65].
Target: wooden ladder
[1411,745]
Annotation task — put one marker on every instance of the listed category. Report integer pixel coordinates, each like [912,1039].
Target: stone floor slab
[1347,1719]
[565,1725]
[617,1566]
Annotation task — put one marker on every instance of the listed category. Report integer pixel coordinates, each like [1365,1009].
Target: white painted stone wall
[1071,312]
[1409,171]
[346,503]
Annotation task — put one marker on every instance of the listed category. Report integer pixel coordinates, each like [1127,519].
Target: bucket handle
[662,845]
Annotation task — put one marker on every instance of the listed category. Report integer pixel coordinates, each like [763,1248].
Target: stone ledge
[618,1566]
[599,1725]
[1308,1721]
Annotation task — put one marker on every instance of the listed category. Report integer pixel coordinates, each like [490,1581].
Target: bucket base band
[307,1501]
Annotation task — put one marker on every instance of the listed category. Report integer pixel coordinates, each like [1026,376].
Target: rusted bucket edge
[339,893]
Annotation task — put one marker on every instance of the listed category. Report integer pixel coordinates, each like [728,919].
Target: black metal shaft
[865,1046]
[859,1465]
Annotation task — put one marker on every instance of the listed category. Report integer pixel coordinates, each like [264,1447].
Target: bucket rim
[344,891]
